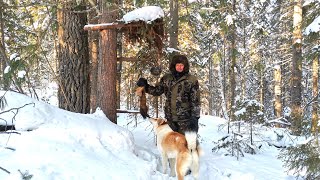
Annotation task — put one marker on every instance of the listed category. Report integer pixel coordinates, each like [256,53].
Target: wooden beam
[128,111]
[96,27]
[130,59]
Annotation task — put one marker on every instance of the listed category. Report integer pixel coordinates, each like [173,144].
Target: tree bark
[108,62]
[94,54]
[315,92]
[73,55]
[210,98]
[262,83]
[296,70]
[3,56]
[174,25]
[277,92]
[232,77]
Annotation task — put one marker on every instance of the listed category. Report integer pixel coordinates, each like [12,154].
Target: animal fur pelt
[141,92]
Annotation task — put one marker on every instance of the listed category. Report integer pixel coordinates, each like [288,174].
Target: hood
[179,59]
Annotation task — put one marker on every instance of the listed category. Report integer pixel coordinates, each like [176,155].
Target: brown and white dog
[182,151]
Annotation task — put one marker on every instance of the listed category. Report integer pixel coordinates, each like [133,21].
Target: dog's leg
[195,164]
[193,147]
[172,163]
[164,162]
[184,161]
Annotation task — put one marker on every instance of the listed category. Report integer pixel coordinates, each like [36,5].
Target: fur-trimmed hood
[179,59]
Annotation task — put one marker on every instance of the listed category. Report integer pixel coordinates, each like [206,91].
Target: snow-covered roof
[147,14]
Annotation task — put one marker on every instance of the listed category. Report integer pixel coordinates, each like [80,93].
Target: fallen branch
[4,170]
[10,132]
[15,114]
[11,127]
[17,108]
[10,148]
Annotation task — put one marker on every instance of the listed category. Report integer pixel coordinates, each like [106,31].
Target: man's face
[179,67]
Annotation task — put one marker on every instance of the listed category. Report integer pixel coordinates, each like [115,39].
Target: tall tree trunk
[108,62]
[222,95]
[262,87]
[232,51]
[315,79]
[277,92]
[296,87]
[223,81]
[211,86]
[244,61]
[73,55]
[119,63]
[3,56]
[174,26]
[3,63]
[94,54]
[119,70]
[283,44]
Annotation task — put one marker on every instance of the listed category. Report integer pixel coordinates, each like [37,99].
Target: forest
[257,61]
[241,51]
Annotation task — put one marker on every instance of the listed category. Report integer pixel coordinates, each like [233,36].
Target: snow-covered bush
[236,145]
[249,110]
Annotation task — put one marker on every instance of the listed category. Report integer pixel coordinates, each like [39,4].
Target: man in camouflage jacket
[182,106]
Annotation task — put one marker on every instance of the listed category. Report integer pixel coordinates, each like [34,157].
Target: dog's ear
[161,121]
[152,120]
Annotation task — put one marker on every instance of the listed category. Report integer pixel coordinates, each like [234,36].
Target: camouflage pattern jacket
[182,97]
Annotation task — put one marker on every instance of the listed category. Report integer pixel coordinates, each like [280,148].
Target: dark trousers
[183,126]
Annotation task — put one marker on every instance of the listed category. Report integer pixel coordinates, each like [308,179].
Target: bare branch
[4,170]
[17,109]
[3,101]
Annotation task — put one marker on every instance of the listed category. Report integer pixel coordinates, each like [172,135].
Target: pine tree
[73,55]
[303,160]
[296,70]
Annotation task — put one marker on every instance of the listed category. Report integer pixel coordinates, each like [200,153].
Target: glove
[142,82]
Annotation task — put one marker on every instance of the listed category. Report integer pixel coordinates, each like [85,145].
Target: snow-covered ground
[54,144]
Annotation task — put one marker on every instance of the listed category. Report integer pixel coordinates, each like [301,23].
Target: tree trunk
[222,94]
[296,87]
[232,77]
[262,87]
[73,55]
[119,70]
[315,79]
[211,86]
[94,54]
[3,63]
[277,92]
[243,76]
[174,26]
[3,56]
[108,62]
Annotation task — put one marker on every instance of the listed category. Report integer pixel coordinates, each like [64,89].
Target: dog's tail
[191,138]
[194,150]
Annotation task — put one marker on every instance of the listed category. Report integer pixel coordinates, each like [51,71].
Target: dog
[181,150]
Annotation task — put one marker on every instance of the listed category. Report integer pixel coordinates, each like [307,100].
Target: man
[182,105]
